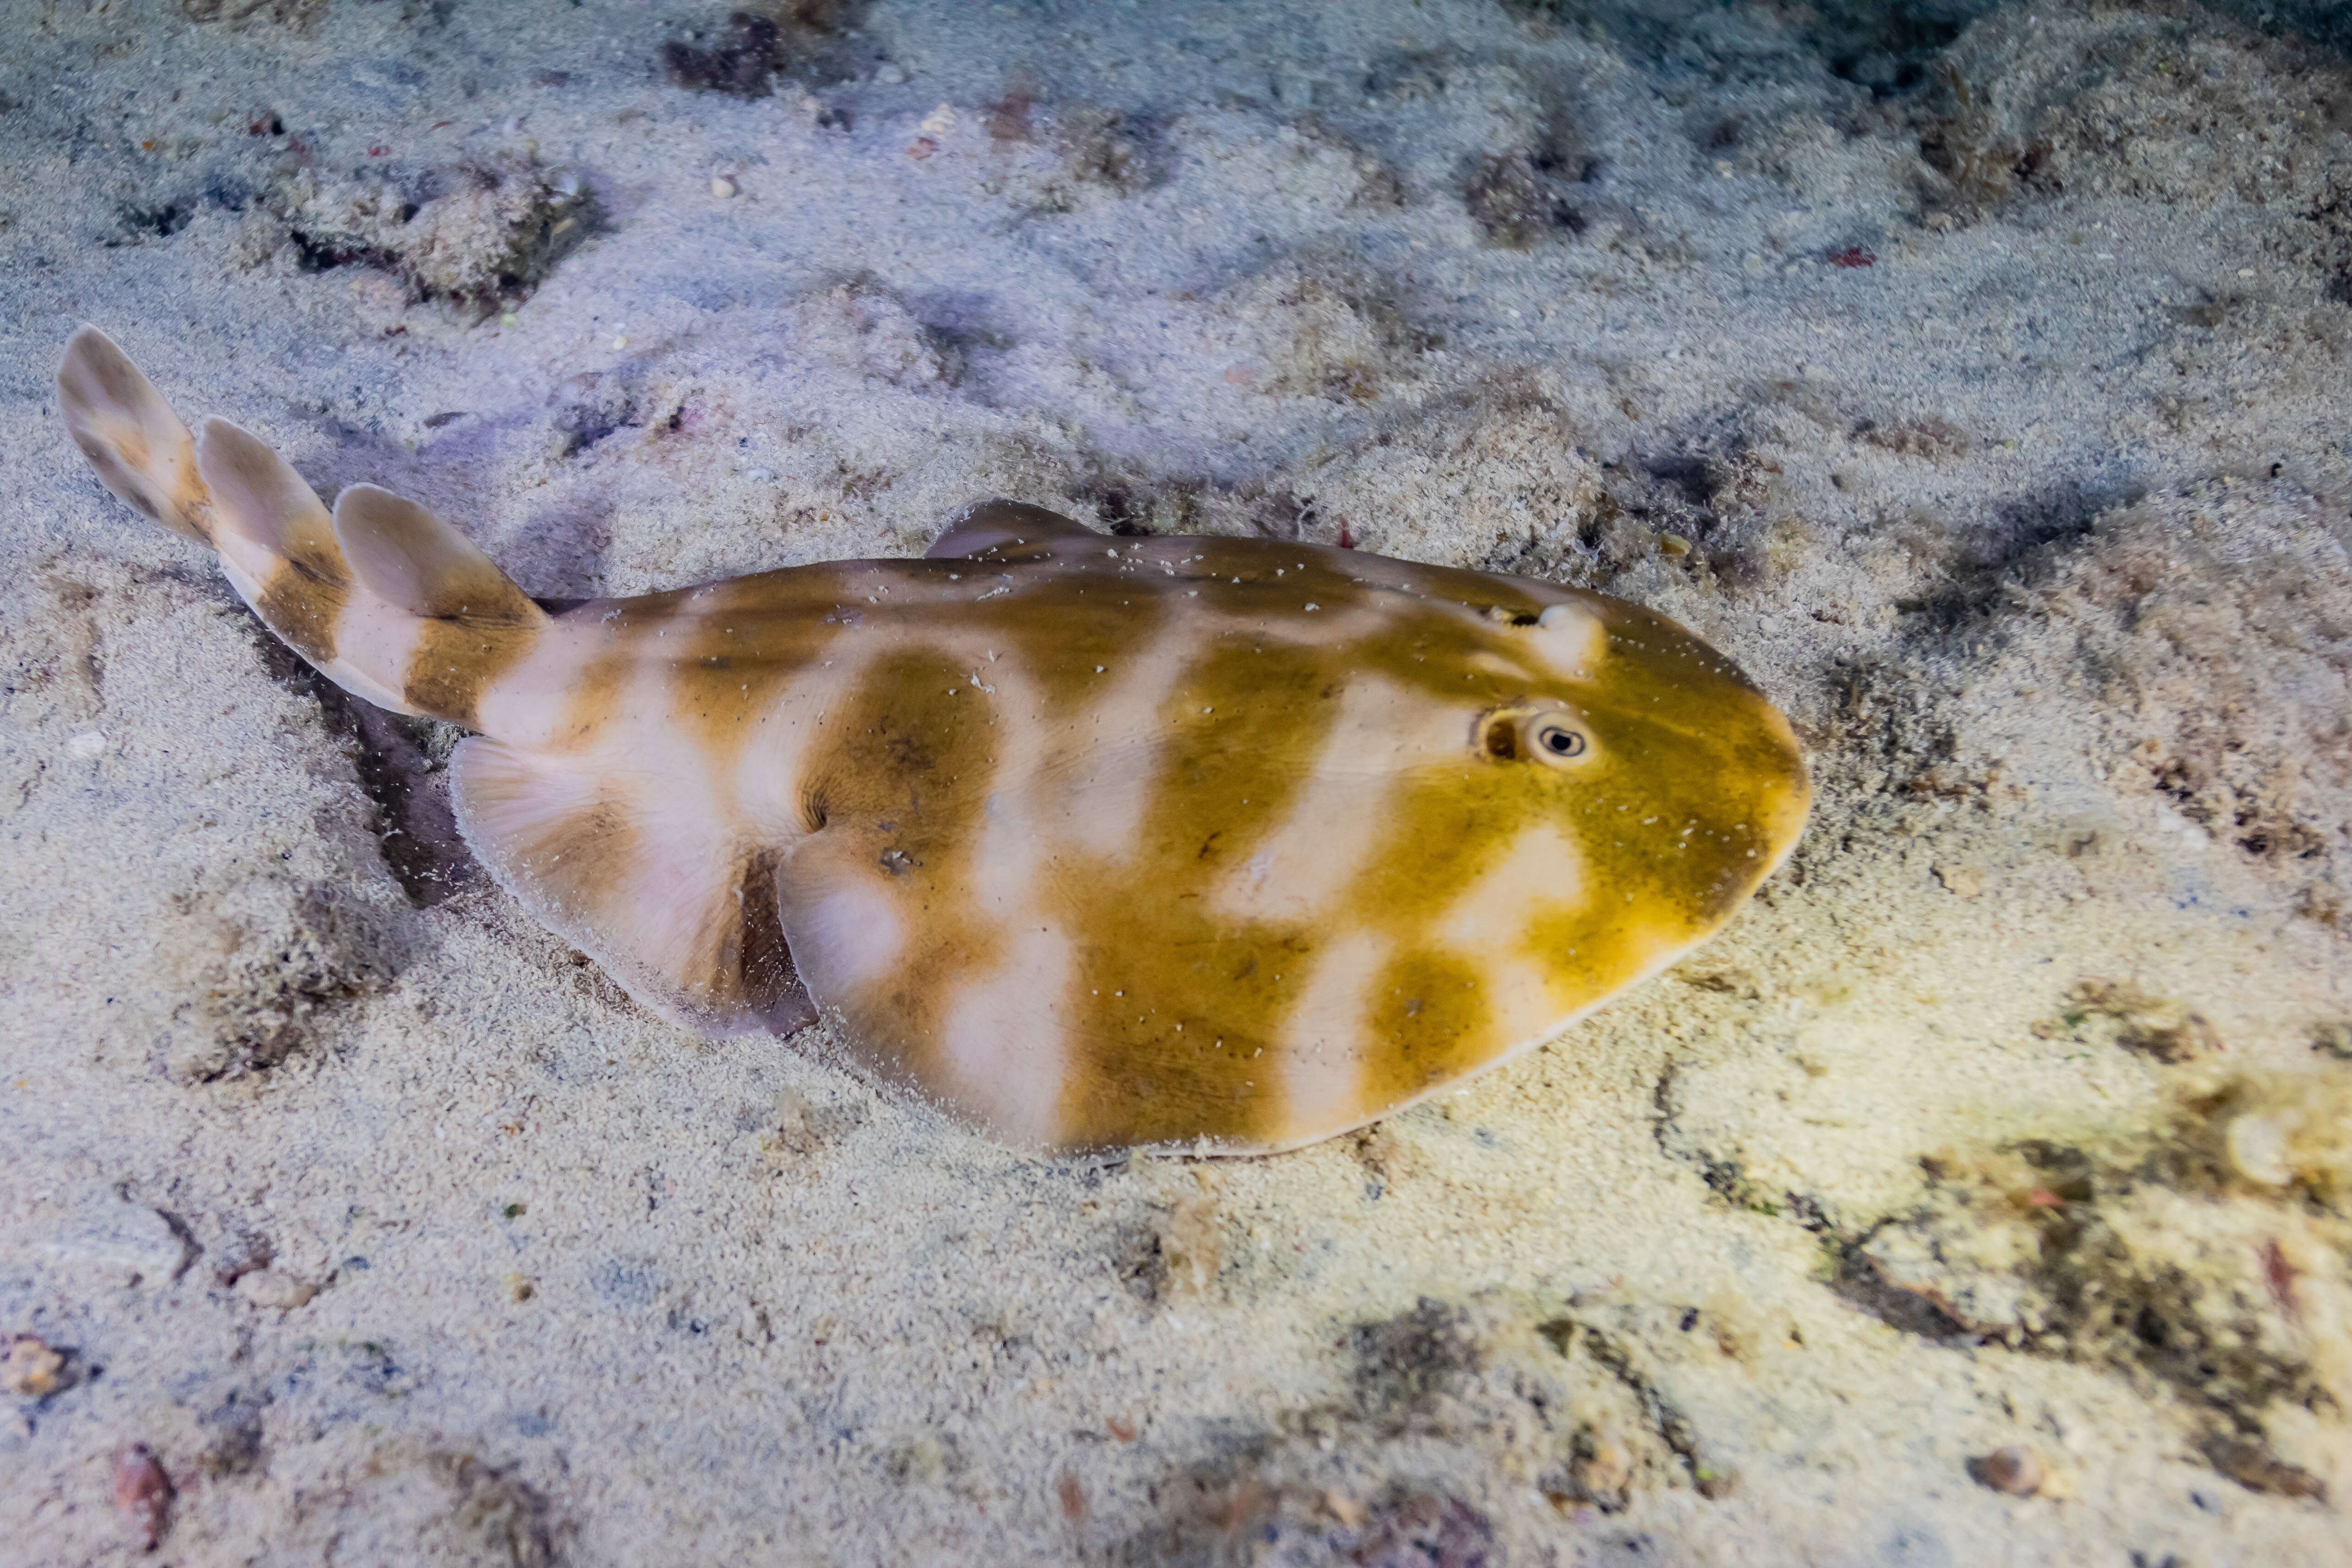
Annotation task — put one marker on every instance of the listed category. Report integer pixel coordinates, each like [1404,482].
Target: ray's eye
[1554,739]
[1512,734]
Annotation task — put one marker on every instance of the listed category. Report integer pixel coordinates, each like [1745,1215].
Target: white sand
[2014,1113]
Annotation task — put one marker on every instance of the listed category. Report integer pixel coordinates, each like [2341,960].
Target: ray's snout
[1704,757]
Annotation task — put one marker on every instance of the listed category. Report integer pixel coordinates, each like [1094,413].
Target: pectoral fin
[660,893]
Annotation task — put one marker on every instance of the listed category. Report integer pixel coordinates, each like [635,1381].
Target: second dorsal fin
[1004,531]
[406,555]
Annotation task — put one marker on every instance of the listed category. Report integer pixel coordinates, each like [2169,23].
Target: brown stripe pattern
[1190,842]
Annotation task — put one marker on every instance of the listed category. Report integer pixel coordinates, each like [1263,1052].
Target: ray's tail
[382,597]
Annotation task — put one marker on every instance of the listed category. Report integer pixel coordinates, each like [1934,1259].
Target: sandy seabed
[1975,376]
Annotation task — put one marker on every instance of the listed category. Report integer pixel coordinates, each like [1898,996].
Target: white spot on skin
[1321,1059]
[1334,824]
[1543,869]
[1005,1063]
[1569,638]
[845,939]
[1116,744]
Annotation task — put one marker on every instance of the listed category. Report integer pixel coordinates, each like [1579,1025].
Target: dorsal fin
[402,554]
[260,501]
[673,906]
[471,625]
[1004,531]
[141,450]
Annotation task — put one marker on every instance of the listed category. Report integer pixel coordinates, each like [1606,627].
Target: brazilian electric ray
[1216,843]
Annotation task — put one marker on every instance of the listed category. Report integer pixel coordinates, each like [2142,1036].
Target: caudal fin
[141,450]
[386,600]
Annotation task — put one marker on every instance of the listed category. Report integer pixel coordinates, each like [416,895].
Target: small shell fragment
[2258,1150]
[143,1492]
[32,1368]
[2015,1470]
[275,1288]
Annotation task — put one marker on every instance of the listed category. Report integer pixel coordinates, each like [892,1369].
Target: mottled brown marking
[898,777]
[623,643]
[303,605]
[122,460]
[139,447]
[576,846]
[272,510]
[746,642]
[1429,1022]
[736,648]
[1683,738]
[584,862]
[1152,955]
[1057,627]
[406,557]
[1590,951]
[458,659]
[900,773]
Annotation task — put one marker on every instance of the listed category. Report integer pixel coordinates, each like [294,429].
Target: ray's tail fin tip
[386,600]
[139,447]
